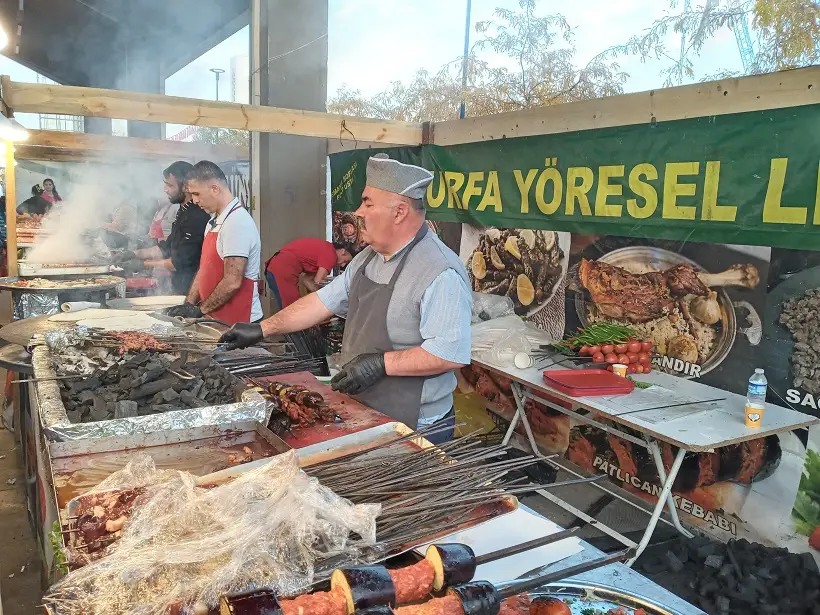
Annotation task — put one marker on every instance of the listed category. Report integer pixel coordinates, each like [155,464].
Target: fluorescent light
[12,130]
[4,39]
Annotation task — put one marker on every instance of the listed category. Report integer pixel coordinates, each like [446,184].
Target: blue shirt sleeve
[336,295]
[446,313]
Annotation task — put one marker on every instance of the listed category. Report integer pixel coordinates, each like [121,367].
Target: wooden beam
[771,91]
[77,145]
[11,211]
[95,102]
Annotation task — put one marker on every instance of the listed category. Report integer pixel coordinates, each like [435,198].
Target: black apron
[398,397]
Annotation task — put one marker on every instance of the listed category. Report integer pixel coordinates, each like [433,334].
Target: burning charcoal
[126,409]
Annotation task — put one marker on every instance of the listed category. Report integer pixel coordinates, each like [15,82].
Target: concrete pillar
[291,196]
[143,73]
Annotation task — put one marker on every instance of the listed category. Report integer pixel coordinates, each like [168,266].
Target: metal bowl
[581,597]
[658,259]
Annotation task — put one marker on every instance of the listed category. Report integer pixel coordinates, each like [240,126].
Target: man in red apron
[309,255]
[180,252]
[407,302]
[225,287]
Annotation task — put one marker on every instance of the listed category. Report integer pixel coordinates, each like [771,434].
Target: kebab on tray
[374,590]
[300,405]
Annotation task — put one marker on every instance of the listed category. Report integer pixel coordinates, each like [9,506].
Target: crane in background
[740,27]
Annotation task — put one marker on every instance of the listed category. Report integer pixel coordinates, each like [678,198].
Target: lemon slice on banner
[526,292]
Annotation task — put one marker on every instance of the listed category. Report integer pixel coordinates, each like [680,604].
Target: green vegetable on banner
[746,178]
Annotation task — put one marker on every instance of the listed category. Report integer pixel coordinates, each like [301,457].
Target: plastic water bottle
[756,398]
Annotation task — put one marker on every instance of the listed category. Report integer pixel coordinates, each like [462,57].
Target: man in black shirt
[36,205]
[180,252]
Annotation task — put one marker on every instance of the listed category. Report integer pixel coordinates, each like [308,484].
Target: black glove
[123,257]
[359,374]
[135,265]
[186,310]
[242,335]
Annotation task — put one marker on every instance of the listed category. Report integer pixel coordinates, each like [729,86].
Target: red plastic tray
[588,382]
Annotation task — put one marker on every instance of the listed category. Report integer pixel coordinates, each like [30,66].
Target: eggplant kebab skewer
[362,587]
[443,565]
[475,598]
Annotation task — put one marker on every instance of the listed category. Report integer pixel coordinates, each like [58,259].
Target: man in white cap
[407,302]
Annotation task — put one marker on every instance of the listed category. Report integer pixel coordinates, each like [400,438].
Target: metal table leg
[655,450]
[664,495]
[522,414]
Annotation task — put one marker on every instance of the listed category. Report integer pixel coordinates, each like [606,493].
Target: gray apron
[398,397]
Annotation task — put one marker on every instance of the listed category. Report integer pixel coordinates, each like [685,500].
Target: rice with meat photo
[671,335]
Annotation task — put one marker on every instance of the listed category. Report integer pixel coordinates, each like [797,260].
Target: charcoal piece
[722,604]
[764,573]
[126,383]
[162,408]
[126,409]
[170,395]
[197,388]
[706,550]
[203,392]
[673,562]
[99,411]
[190,400]
[151,375]
[726,571]
[86,397]
[713,561]
[152,388]
[710,587]
[74,416]
[808,562]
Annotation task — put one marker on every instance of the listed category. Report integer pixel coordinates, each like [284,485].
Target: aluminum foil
[59,340]
[29,305]
[57,427]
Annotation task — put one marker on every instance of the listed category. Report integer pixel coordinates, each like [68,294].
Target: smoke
[70,230]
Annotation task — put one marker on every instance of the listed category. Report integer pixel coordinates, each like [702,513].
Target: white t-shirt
[238,236]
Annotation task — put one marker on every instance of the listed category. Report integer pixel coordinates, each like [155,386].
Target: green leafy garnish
[597,334]
[638,384]
[806,511]
[55,539]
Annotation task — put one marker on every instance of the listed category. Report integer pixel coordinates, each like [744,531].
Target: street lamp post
[217,72]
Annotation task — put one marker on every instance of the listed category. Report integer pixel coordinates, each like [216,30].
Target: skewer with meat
[444,565]
[301,405]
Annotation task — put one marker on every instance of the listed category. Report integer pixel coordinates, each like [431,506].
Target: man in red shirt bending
[315,257]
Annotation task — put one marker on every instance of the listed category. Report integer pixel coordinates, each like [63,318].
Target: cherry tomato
[607,348]
[594,349]
[622,358]
[633,358]
[639,369]
[584,350]
[621,348]
[647,369]
[598,358]
[646,346]
[634,347]
[631,369]
[611,358]
[643,358]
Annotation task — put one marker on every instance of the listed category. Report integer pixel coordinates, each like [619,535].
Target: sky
[395,38]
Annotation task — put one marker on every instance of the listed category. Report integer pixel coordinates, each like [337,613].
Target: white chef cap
[394,176]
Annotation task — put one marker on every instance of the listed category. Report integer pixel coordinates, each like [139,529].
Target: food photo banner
[746,178]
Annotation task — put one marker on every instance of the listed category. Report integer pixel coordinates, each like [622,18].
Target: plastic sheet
[185,546]
[486,307]
[500,339]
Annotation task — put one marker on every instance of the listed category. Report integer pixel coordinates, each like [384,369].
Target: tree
[545,75]
[223,136]
[787,32]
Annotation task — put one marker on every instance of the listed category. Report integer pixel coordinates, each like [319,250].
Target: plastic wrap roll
[76,306]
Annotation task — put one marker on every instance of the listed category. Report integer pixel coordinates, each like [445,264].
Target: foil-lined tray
[56,426]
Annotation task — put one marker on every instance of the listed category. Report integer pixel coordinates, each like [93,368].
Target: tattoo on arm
[232,276]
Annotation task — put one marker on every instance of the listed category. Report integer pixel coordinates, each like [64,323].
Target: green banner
[746,178]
